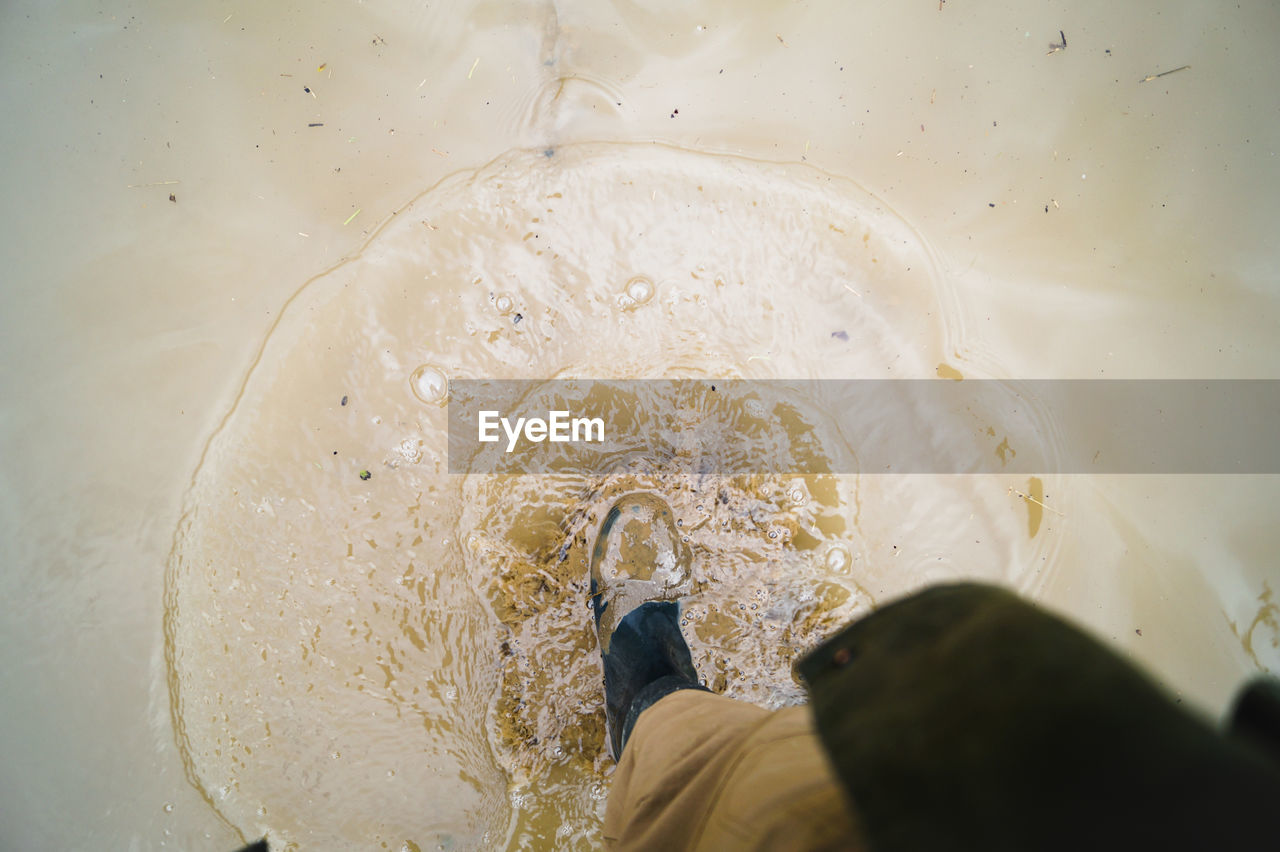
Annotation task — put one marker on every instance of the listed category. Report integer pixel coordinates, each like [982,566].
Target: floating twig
[155,183]
[1150,77]
[1037,502]
[353,215]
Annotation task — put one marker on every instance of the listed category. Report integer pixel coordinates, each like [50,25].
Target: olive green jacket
[965,718]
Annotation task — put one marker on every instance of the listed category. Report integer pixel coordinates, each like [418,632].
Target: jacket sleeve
[962,718]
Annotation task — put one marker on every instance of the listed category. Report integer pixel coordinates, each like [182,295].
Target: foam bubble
[838,558]
[430,384]
[639,290]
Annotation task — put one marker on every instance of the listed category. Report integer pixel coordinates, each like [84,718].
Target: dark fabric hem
[650,696]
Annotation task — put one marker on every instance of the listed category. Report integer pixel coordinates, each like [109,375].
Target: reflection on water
[366,650]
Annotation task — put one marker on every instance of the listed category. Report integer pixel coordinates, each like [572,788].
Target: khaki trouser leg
[702,771]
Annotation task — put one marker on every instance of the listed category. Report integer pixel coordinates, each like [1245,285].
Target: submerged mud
[367,651]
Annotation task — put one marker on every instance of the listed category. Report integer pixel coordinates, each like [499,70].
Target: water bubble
[640,289]
[411,450]
[505,303]
[168,807]
[838,558]
[430,384]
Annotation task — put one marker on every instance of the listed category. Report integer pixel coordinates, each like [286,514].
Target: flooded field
[254,247]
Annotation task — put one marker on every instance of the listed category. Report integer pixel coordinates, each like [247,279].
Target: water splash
[361,645]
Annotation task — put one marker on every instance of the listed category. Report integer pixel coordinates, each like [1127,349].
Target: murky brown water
[405,662]
[353,631]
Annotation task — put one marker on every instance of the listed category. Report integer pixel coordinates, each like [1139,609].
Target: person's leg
[639,563]
[647,660]
[702,771]
[698,770]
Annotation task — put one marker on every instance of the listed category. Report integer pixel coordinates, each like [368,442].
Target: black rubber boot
[639,568]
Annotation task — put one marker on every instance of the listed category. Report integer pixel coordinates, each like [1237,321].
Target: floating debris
[1150,77]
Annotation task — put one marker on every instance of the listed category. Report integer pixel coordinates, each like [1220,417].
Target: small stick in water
[1150,77]
[1037,502]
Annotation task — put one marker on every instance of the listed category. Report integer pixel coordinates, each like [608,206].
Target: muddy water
[370,663]
[359,640]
